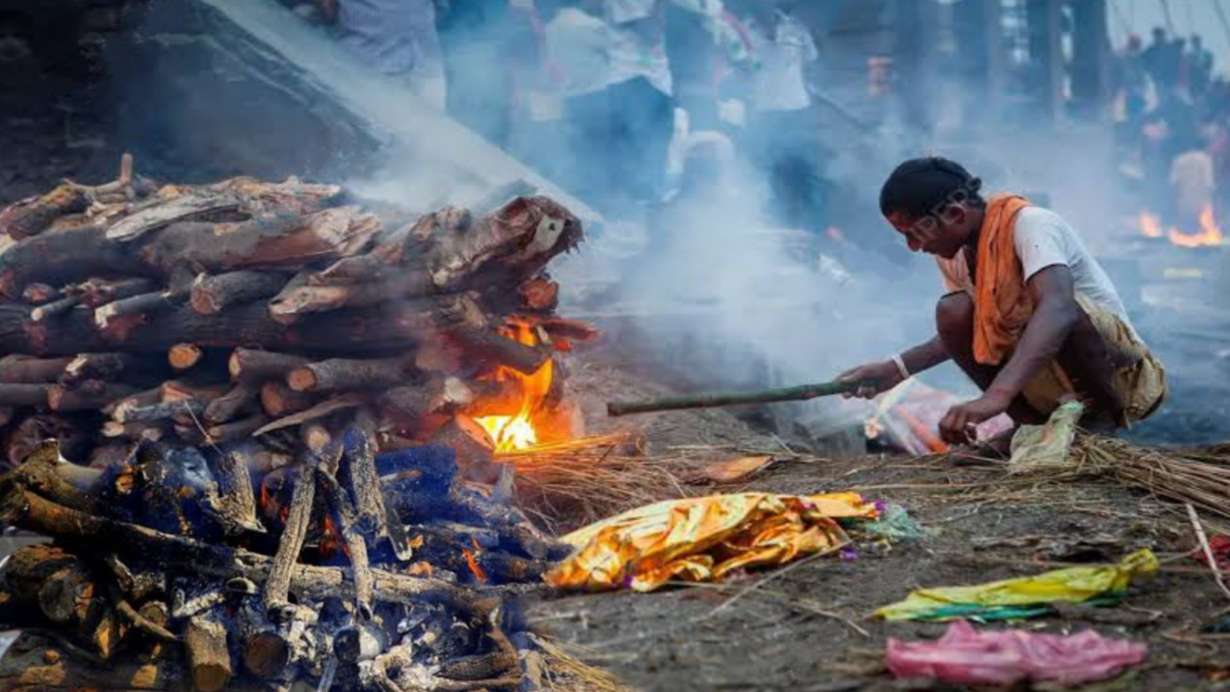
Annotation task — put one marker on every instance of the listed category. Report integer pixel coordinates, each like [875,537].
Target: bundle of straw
[1201,477]
[571,487]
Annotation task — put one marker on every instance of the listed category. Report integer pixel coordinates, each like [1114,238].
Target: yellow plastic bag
[1072,585]
[703,539]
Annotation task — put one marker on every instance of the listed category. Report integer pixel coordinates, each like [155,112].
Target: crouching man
[1030,315]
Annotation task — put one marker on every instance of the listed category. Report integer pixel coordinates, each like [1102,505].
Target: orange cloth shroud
[1002,302]
[704,538]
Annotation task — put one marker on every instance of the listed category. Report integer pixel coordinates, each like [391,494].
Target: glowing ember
[1210,233]
[1150,225]
[516,433]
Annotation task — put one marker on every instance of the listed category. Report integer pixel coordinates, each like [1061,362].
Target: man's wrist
[899,363]
[999,393]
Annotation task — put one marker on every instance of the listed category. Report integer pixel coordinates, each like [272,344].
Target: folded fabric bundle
[704,538]
[965,656]
[1024,597]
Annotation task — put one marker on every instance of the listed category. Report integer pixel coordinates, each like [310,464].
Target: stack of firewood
[259,398]
[212,313]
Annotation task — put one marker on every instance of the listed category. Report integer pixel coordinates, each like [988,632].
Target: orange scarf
[1002,303]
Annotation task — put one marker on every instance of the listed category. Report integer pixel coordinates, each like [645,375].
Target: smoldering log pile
[261,403]
[214,313]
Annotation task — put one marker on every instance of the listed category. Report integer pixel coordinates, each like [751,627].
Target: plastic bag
[1024,597]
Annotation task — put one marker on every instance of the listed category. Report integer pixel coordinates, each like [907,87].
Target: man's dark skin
[1058,330]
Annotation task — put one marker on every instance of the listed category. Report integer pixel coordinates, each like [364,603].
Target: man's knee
[954,317]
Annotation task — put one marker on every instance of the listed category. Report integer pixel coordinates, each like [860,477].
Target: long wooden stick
[715,399]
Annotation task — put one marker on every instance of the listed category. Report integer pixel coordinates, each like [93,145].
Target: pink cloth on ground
[1000,657]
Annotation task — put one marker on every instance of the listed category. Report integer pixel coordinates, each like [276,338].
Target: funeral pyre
[259,425]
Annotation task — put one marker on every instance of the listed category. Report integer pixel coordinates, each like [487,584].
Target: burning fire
[1210,233]
[515,433]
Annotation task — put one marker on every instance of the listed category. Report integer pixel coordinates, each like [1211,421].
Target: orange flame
[516,433]
[1210,233]
[1150,225]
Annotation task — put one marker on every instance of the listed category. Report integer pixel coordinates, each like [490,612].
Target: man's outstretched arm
[1056,313]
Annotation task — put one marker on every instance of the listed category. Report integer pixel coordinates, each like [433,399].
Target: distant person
[1155,59]
[1192,180]
[622,121]
[1133,80]
[490,48]
[397,37]
[1199,66]
[783,125]
[1029,315]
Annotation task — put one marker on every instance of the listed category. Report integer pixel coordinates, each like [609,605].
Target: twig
[1204,545]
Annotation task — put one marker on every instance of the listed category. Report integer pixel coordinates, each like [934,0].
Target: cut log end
[265,654]
[184,356]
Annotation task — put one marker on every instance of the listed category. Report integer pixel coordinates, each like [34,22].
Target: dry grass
[576,484]
[1201,477]
[556,670]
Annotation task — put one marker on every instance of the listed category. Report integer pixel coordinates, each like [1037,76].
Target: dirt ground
[807,626]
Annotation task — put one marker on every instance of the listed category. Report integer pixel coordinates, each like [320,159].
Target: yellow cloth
[704,538]
[1002,303]
[1073,585]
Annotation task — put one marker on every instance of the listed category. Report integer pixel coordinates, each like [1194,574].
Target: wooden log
[236,499]
[20,507]
[390,328]
[99,366]
[437,395]
[236,430]
[361,642]
[212,294]
[28,435]
[179,209]
[149,431]
[315,437]
[282,240]
[494,349]
[30,217]
[277,586]
[359,474]
[299,279]
[66,594]
[155,301]
[106,455]
[184,356]
[474,447]
[279,400]
[83,398]
[28,369]
[346,374]
[266,653]
[47,472]
[160,411]
[55,307]
[142,398]
[29,567]
[345,518]
[6,415]
[254,366]
[24,394]
[62,256]
[39,293]
[316,412]
[242,398]
[306,299]
[209,661]
[98,292]
[36,663]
